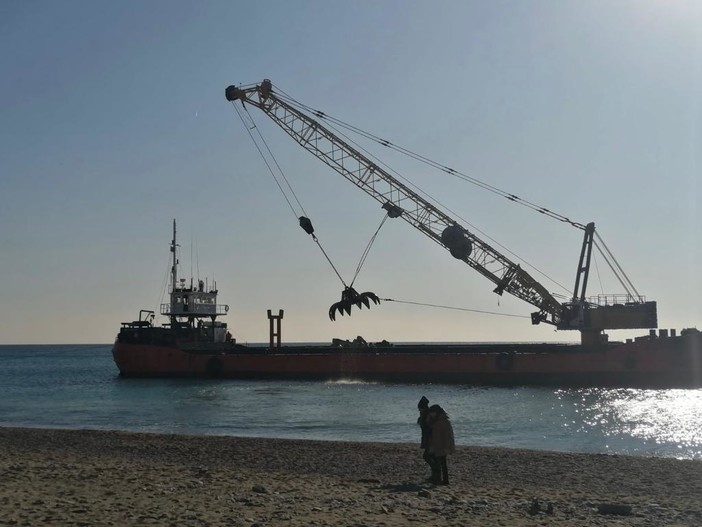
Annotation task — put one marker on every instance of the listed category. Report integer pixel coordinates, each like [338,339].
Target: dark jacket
[442,442]
[423,422]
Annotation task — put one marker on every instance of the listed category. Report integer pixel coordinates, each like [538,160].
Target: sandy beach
[93,478]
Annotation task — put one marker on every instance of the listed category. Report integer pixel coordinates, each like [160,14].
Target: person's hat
[423,403]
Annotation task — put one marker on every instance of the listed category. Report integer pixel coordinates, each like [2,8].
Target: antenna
[197,260]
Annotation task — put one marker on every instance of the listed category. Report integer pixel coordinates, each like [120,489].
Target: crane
[583,314]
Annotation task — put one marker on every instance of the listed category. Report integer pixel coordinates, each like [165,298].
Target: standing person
[441,443]
[423,422]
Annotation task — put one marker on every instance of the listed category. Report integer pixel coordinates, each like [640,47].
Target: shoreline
[86,477]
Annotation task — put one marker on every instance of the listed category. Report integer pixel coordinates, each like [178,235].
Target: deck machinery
[589,315]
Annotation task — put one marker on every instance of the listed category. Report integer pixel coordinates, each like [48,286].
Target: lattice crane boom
[400,201]
[396,196]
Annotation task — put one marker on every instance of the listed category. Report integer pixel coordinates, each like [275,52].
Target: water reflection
[658,419]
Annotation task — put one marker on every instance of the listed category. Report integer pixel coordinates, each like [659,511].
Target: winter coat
[423,422]
[441,442]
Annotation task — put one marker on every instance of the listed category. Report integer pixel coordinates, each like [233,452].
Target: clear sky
[113,122]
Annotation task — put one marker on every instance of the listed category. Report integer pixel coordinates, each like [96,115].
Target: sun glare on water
[654,416]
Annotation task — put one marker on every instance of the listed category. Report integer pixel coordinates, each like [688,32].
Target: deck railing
[184,310]
[616,299]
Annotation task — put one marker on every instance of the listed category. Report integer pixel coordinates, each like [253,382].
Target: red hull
[658,362]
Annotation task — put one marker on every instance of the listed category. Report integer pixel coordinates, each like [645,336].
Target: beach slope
[100,478]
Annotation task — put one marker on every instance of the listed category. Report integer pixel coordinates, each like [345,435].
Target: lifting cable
[618,272]
[420,191]
[367,250]
[606,253]
[599,276]
[310,230]
[298,216]
[434,164]
[308,224]
[452,307]
[263,156]
[328,259]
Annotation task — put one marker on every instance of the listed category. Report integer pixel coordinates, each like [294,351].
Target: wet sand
[91,478]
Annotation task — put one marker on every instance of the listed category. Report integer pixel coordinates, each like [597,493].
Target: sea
[78,387]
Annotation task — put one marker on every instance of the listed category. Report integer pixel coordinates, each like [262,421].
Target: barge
[195,343]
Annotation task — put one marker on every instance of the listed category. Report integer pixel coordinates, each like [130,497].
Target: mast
[584,265]
[174,267]
[174,273]
[191,303]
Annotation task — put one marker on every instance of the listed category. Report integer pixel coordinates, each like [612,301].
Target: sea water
[78,387]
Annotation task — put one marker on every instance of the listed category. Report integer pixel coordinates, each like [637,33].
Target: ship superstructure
[192,312]
[194,306]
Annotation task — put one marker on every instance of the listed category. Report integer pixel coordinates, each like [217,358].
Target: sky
[113,123]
